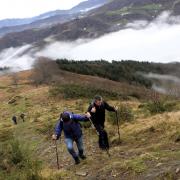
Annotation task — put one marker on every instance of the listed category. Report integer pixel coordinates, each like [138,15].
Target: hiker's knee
[79,143]
[69,144]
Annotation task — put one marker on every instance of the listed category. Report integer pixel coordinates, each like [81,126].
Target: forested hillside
[127,71]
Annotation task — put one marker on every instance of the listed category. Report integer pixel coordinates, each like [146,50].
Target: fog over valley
[158,41]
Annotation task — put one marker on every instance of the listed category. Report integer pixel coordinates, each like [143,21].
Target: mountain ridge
[111,17]
[49,18]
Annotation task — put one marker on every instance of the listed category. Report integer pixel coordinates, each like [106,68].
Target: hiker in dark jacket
[22,115]
[14,119]
[96,111]
[69,123]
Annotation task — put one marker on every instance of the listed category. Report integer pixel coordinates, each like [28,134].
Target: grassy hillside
[149,147]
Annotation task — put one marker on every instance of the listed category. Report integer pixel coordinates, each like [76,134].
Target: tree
[44,71]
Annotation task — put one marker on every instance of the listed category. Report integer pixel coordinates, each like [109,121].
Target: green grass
[136,9]
[74,91]
[16,162]
[160,106]
[136,164]
[118,12]
[20,156]
[124,114]
[149,7]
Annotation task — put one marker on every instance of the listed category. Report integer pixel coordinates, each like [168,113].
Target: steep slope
[149,147]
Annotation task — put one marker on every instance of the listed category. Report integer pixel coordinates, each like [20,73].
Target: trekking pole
[57,156]
[107,150]
[117,119]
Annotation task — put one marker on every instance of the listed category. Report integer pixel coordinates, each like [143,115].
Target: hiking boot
[77,161]
[104,148]
[82,156]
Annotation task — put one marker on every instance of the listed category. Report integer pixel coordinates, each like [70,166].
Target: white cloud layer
[165,84]
[157,42]
[13,58]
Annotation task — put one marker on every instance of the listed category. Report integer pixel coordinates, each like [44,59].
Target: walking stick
[107,150]
[57,156]
[117,119]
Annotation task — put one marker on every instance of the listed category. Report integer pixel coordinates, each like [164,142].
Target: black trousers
[103,137]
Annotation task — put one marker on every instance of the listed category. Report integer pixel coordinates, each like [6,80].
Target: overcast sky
[29,8]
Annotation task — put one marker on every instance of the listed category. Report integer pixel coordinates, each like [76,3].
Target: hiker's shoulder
[92,103]
[104,103]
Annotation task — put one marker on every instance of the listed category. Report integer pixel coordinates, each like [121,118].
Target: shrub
[79,91]
[155,107]
[125,114]
[44,71]
[16,163]
[160,106]
[16,153]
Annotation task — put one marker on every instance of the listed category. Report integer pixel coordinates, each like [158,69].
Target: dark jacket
[72,128]
[14,119]
[98,117]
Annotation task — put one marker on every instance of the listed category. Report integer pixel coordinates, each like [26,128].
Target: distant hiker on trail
[22,115]
[69,123]
[96,112]
[14,119]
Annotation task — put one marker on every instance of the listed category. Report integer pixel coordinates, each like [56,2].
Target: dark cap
[98,98]
[65,116]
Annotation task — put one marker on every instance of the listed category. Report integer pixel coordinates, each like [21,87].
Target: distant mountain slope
[109,18]
[49,18]
[17,22]
[40,23]
[88,5]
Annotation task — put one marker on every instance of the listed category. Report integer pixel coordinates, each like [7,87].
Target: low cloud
[161,77]
[158,41]
[17,58]
[165,84]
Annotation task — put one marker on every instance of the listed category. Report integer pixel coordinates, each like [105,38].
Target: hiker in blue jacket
[69,123]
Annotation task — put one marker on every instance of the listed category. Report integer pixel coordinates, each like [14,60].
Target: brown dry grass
[146,141]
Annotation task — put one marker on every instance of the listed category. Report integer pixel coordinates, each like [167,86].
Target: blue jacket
[72,129]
